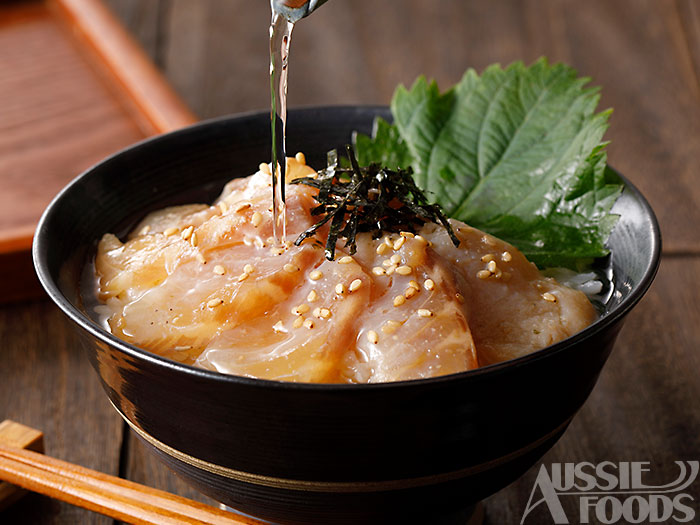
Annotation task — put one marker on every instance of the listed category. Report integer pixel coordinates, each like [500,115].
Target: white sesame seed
[200,258]
[506,257]
[549,297]
[279,327]
[483,274]
[256,219]
[219,270]
[301,309]
[378,270]
[404,270]
[309,323]
[270,240]
[355,285]
[399,300]
[239,207]
[488,257]
[414,284]
[396,258]
[300,158]
[325,313]
[345,260]
[223,207]
[382,249]
[315,275]
[248,268]
[340,288]
[407,234]
[213,303]
[298,322]
[317,312]
[170,231]
[193,239]
[265,168]
[312,297]
[410,292]
[290,268]
[386,263]
[372,337]
[187,232]
[460,298]
[145,230]
[424,312]
[276,250]
[390,327]
[429,284]
[243,277]
[389,243]
[491,266]
[422,239]
[399,243]
[391,269]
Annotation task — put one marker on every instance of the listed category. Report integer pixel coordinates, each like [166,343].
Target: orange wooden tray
[74,87]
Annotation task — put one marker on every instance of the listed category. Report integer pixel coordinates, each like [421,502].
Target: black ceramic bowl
[303,453]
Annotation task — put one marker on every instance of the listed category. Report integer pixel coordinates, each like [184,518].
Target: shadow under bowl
[301,453]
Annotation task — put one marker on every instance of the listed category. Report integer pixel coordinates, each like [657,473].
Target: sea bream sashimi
[206,285]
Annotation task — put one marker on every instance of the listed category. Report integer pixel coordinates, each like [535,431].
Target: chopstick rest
[18,436]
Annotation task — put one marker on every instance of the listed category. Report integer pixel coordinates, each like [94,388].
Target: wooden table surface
[645,55]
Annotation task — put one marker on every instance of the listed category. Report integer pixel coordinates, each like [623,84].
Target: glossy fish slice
[206,285]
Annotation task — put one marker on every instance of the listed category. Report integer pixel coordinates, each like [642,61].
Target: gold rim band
[336,486]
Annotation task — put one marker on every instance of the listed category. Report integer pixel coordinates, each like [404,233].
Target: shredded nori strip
[368,199]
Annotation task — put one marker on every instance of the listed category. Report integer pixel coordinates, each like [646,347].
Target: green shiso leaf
[516,152]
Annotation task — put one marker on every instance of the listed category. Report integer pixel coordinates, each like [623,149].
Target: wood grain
[689,14]
[43,132]
[125,64]
[74,89]
[143,20]
[644,54]
[47,383]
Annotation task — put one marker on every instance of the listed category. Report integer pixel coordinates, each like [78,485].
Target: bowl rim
[84,322]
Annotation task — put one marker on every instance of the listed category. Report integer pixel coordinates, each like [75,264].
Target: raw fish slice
[515,310]
[164,289]
[304,337]
[408,331]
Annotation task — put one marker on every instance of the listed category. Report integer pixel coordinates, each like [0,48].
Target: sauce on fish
[208,285]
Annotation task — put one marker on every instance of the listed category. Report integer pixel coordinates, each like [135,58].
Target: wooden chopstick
[108,495]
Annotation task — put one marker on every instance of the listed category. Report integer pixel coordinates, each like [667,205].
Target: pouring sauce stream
[280,38]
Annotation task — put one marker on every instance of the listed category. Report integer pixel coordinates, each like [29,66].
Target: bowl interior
[193,164]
